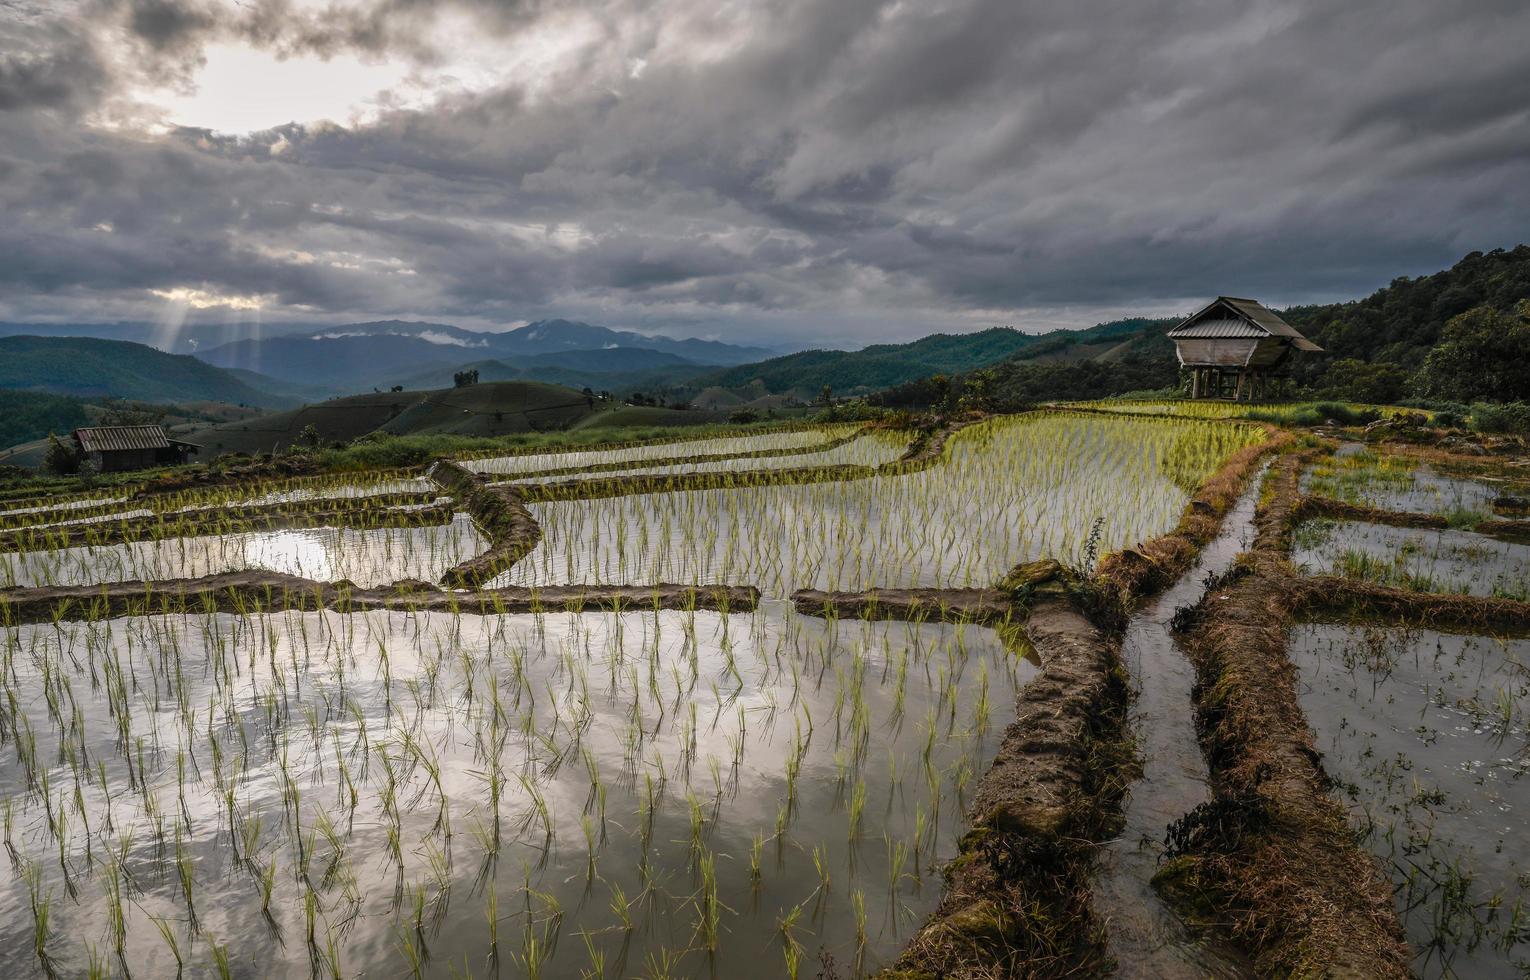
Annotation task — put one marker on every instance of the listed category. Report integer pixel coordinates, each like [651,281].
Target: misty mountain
[547,336]
[339,361]
[355,357]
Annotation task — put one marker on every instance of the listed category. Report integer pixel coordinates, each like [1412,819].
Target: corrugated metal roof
[114,438]
[1262,316]
[1219,329]
[1250,319]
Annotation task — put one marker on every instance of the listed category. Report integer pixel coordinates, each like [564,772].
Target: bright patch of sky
[241,89]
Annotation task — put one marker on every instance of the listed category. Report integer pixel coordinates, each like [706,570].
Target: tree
[827,395]
[1481,357]
[462,379]
[61,458]
[310,436]
[1354,380]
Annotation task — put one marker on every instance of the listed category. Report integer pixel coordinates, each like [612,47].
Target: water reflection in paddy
[1425,735]
[365,557]
[765,784]
[1415,558]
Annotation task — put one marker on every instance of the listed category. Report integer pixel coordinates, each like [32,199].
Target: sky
[792,172]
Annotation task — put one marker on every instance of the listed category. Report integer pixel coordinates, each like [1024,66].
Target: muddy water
[1425,736]
[1421,559]
[1358,476]
[1146,937]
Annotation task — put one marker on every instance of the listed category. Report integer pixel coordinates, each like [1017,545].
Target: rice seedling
[265,772]
[1060,472]
[1427,736]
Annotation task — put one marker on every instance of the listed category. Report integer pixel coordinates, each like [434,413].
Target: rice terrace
[804,489]
[806,699]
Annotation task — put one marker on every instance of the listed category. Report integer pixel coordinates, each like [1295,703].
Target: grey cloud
[855,166]
[47,68]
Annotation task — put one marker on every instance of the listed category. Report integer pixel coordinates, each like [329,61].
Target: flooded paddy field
[868,449]
[1361,476]
[334,491]
[639,793]
[364,557]
[770,442]
[1035,486]
[685,793]
[1427,736]
[1421,559]
[80,504]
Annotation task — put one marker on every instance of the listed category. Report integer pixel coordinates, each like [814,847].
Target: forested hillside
[873,367]
[1459,335]
[90,367]
[27,415]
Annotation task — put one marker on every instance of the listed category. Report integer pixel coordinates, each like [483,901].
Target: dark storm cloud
[827,169]
[48,69]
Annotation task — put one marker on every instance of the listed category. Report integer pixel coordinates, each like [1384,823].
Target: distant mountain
[358,356]
[547,336]
[878,366]
[606,369]
[339,361]
[291,393]
[175,340]
[91,367]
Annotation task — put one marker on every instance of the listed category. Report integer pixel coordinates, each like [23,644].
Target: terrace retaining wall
[502,515]
[251,592]
[1271,857]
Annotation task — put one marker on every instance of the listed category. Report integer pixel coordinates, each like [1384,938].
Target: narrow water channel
[1146,937]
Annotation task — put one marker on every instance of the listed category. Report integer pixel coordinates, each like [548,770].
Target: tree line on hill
[1457,337]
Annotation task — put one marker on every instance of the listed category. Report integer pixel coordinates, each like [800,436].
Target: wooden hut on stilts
[1233,347]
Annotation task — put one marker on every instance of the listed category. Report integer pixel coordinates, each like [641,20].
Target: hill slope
[481,409]
[1401,322]
[91,367]
[1372,346]
[604,369]
[28,415]
[878,366]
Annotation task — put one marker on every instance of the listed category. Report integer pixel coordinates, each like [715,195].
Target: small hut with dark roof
[113,448]
[1233,347]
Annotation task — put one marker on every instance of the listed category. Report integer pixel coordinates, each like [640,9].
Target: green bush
[62,458]
[1450,418]
[1513,418]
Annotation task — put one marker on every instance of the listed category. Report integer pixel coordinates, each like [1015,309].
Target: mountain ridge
[92,367]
